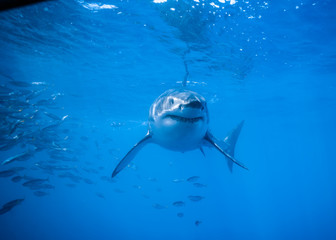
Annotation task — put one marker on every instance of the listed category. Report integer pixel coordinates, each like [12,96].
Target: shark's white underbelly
[184,136]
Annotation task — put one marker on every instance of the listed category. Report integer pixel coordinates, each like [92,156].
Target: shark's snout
[194,104]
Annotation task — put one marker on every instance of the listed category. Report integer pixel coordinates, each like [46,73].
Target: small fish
[108,179]
[43,102]
[176,180]
[199,185]
[52,116]
[195,198]
[8,206]
[100,195]
[17,169]
[41,186]
[84,138]
[39,83]
[193,179]
[53,167]
[117,190]
[71,185]
[71,176]
[151,179]
[14,127]
[7,173]
[19,157]
[44,186]
[180,215]
[90,170]
[9,144]
[20,83]
[5,90]
[40,193]
[50,128]
[37,183]
[178,204]
[197,223]
[17,179]
[88,181]
[158,206]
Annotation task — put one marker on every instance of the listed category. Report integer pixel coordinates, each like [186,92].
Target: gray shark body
[179,121]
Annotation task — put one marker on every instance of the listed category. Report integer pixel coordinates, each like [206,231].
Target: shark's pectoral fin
[131,154]
[230,165]
[202,151]
[215,143]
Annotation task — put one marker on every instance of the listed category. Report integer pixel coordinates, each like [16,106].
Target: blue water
[98,66]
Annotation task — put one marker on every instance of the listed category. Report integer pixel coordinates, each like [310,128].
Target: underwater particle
[197,223]
[193,179]
[195,198]
[180,215]
[178,204]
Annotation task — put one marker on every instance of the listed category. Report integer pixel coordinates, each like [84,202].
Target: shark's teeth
[182,119]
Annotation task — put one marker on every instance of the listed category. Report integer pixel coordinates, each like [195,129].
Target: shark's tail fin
[231,140]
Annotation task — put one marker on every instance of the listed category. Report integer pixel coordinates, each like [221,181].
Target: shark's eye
[171,101]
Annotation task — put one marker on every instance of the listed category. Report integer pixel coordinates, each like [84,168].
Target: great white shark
[179,121]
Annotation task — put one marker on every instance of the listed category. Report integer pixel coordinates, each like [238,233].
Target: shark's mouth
[183,119]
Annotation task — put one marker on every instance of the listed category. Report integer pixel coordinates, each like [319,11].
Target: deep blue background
[271,63]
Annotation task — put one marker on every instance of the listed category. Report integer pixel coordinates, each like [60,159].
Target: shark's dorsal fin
[131,154]
[217,144]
